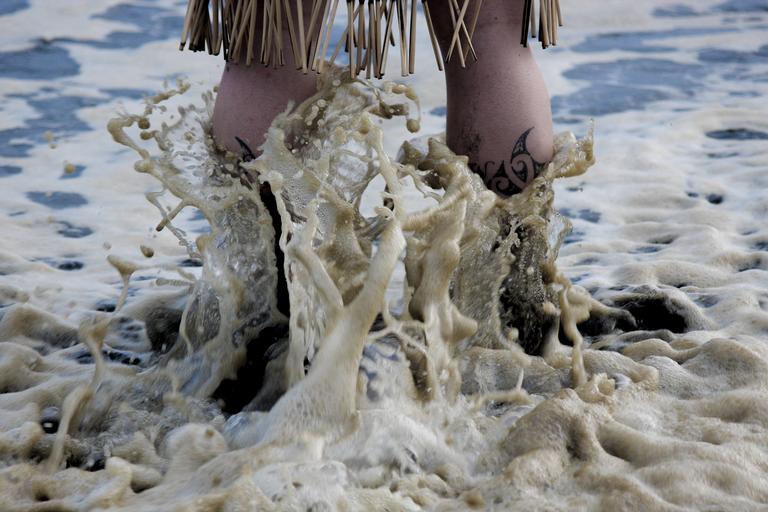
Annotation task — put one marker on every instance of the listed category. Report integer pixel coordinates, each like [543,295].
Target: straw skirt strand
[237,28]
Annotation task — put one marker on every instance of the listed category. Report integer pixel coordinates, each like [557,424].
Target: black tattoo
[512,176]
[246,149]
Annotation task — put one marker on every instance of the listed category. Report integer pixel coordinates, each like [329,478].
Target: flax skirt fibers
[277,32]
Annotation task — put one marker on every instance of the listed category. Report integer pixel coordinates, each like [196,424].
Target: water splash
[362,381]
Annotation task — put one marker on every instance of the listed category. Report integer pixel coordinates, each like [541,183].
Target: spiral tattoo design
[510,176]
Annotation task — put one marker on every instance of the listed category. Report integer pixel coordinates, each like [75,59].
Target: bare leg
[250,97]
[498,107]
[499,110]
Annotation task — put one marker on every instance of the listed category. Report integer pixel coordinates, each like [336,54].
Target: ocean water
[141,367]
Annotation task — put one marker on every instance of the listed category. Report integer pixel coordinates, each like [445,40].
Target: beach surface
[670,224]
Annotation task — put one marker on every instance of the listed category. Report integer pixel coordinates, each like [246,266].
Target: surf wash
[351,348]
[318,162]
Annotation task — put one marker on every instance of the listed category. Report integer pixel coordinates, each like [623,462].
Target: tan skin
[498,107]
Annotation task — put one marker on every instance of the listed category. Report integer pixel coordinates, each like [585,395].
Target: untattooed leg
[250,97]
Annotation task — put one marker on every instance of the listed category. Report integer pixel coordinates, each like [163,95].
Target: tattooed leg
[499,112]
[512,175]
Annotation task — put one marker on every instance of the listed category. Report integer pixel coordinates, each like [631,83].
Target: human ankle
[500,117]
[250,97]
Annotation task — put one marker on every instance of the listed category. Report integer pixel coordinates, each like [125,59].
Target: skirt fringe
[373,27]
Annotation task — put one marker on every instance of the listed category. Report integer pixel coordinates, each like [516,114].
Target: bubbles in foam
[476,389]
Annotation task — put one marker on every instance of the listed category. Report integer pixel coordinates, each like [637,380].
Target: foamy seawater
[668,225]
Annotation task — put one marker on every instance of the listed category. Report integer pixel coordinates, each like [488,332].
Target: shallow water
[669,225]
